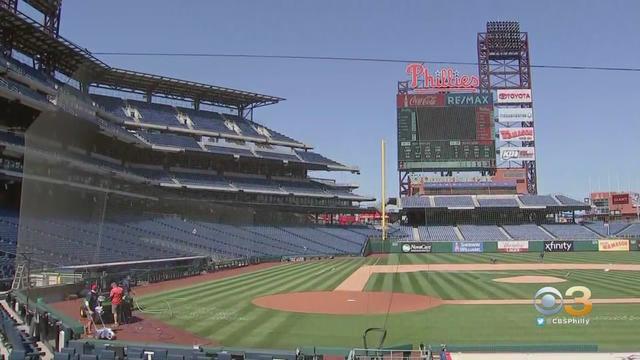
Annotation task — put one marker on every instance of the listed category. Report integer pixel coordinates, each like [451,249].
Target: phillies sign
[513,96]
[445,79]
[516,134]
[517,154]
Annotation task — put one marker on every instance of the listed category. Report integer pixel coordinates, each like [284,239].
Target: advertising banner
[510,115]
[416,247]
[513,246]
[513,96]
[469,99]
[467,247]
[517,153]
[558,246]
[620,199]
[516,134]
[419,100]
[613,245]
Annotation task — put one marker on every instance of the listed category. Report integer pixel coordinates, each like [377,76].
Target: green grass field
[222,309]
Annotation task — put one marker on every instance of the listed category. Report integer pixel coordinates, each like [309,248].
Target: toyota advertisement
[516,134]
[513,96]
[517,153]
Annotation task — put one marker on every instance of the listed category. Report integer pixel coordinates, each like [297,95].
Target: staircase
[18,278]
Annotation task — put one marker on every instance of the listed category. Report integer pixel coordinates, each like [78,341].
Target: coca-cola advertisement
[419,100]
[516,134]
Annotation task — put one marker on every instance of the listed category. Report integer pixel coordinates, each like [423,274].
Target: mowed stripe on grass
[222,310]
[480,285]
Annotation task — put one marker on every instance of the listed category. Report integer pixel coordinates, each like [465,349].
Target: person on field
[90,304]
[116,296]
[542,256]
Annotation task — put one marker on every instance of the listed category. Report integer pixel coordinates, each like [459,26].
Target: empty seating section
[178,141]
[631,230]
[570,231]
[8,241]
[157,114]
[277,156]
[255,184]
[537,200]
[406,232]
[74,242]
[302,187]
[11,138]
[526,232]
[202,180]
[454,201]
[327,243]
[442,233]
[497,202]
[225,150]
[27,71]
[112,105]
[614,227]
[564,200]
[481,233]
[416,202]
[312,157]
[423,232]
[22,89]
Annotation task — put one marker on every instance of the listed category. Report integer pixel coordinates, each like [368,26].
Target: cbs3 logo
[549,301]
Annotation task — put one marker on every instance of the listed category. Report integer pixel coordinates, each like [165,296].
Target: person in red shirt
[116,295]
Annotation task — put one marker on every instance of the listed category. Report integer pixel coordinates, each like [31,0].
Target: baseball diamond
[458,302]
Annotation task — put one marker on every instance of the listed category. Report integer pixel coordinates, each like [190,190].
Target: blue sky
[587,122]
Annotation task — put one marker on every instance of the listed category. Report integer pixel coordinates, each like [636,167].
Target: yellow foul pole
[384,195]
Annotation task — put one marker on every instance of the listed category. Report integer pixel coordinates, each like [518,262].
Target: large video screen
[438,132]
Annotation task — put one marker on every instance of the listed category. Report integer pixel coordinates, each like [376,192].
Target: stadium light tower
[503,63]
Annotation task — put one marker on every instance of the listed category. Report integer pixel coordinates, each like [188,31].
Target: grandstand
[172,168]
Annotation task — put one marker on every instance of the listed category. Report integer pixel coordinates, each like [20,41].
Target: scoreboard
[445,132]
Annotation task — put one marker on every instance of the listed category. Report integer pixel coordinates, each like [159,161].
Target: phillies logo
[446,78]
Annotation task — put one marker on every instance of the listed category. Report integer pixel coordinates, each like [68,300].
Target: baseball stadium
[149,217]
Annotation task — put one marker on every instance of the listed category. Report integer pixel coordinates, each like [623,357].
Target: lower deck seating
[64,241]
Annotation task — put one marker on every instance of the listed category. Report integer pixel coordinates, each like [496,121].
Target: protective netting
[92,201]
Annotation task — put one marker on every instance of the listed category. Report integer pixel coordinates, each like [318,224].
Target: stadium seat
[61,356]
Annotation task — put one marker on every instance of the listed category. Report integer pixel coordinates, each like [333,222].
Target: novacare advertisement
[415,247]
[513,246]
[468,247]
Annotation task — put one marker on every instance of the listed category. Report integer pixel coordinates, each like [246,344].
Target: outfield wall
[398,246]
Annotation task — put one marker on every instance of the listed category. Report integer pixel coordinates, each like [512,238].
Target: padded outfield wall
[396,246]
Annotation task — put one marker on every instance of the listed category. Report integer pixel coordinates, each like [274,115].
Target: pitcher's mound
[530,279]
[347,302]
